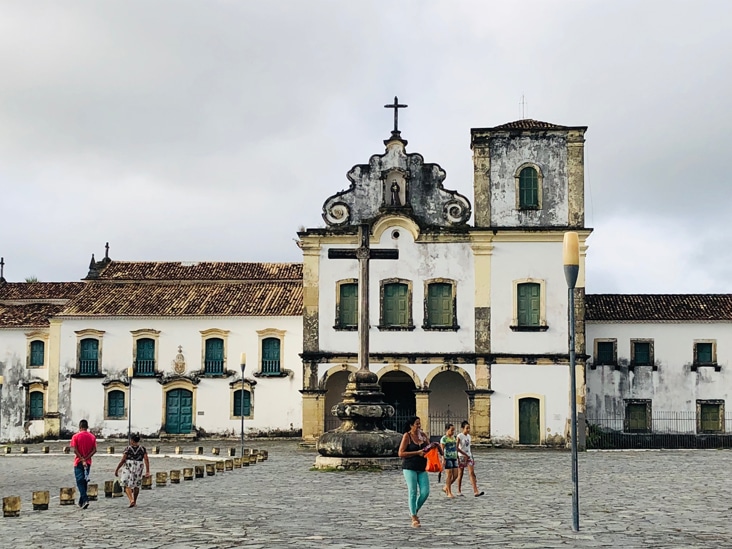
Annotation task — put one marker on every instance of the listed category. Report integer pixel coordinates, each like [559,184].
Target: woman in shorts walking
[449,450]
[465,460]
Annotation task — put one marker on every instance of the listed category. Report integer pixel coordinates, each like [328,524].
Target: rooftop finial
[106,251]
[92,263]
[2,269]
[522,107]
[396,106]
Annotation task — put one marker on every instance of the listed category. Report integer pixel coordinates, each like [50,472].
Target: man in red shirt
[85,446]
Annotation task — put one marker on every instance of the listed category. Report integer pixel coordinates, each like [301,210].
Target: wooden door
[179,412]
[529,426]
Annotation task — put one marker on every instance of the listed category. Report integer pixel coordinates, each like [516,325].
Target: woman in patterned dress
[133,459]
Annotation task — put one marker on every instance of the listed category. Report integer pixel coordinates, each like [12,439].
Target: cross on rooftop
[396,106]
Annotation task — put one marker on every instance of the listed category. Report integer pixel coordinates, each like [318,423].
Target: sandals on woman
[415,522]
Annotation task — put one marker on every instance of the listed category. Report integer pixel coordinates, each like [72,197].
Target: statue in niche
[395,200]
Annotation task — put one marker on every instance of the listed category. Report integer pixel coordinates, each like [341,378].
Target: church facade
[469,322]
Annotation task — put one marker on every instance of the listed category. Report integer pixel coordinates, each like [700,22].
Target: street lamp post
[243,363]
[130,375]
[2,381]
[571,271]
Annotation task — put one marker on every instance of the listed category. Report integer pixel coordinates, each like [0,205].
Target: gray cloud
[192,130]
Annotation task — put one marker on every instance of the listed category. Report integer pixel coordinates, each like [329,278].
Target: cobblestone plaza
[627,499]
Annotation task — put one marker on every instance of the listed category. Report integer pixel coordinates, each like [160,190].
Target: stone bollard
[45,449]
[266,455]
[210,469]
[146,483]
[198,471]
[260,457]
[110,449]
[215,451]
[11,506]
[92,492]
[199,450]
[252,460]
[8,449]
[245,460]
[178,450]
[40,500]
[229,464]
[67,449]
[188,473]
[175,476]
[161,479]
[237,463]
[219,466]
[232,452]
[66,496]
[117,490]
[23,449]
[156,450]
[108,488]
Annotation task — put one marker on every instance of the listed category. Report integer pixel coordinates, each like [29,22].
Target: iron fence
[662,430]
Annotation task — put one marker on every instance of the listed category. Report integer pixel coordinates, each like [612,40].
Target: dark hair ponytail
[409,423]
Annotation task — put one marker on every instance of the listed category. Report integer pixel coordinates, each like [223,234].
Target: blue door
[178,412]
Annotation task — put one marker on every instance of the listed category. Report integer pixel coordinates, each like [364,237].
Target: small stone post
[199,469]
[146,483]
[161,479]
[45,449]
[92,492]
[156,450]
[178,450]
[252,459]
[237,463]
[229,464]
[67,449]
[219,466]
[11,506]
[66,496]
[210,469]
[117,490]
[108,488]
[8,449]
[40,500]
[199,450]
[23,449]
[110,449]
[175,476]
[188,473]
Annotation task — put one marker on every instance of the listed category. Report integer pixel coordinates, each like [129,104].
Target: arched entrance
[448,401]
[398,388]
[529,421]
[178,412]
[335,385]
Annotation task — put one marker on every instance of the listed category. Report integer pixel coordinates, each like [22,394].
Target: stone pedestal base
[359,444]
[357,463]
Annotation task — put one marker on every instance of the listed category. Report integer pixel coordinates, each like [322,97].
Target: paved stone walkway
[669,499]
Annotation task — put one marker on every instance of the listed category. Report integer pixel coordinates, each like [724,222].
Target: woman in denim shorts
[450,453]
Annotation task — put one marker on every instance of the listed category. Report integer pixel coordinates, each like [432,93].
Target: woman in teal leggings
[412,449]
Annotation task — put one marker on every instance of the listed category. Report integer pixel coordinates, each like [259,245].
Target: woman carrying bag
[415,444]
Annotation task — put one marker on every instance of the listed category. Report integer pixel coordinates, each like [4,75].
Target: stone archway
[448,400]
[398,388]
[335,385]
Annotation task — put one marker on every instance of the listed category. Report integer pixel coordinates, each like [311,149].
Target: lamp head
[571,248]
[130,371]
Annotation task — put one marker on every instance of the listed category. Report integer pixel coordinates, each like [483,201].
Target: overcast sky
[180,130]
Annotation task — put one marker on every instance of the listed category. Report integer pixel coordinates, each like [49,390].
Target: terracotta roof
[658,307]
[282,298]
[530,124]
[16,291]
[30,315]
[200,270]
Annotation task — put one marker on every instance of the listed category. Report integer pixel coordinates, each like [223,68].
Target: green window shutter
[145,359]
[37,351]
[605,352]
[529,304]
[528,188]
[642,353]
[116,404]
[637,417]
[348,305]
[247,403]
[214,358]
[89,357]
[710,420]
[271,355]
[440,305]
[36,405]
[396,305]
[704,353]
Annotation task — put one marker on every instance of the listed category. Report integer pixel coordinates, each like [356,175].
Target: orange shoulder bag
[434,464]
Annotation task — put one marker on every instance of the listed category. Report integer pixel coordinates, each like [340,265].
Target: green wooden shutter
[605,352]
[704,353]
[247,403]
[439,305]
[348,305]
[36,405]
[396,305]
[642,353]
[529,304]
[528,188]
[271,355]
[145,360]
[637,417]
[710,417]
[214,360]
[116,404]
[89,357]
[37,351]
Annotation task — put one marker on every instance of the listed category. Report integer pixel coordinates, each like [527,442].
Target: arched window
[528,188]
[238,403]
[35,405]
[37,353]
[270,356]
[89,357]
[214,356]
[115,404]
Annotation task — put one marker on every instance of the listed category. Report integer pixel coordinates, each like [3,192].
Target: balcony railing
[145,368]
[213,367]
[270,367]
[88,367]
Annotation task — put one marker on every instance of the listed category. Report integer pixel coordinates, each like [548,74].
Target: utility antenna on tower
[522,107]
